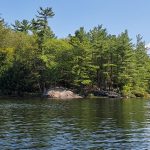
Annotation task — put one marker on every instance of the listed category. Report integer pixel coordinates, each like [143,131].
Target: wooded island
[33,59]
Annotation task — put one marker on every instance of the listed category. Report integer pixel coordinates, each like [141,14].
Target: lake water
[74,124]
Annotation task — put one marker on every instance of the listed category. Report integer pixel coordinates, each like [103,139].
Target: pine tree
[23,26]
[82,69]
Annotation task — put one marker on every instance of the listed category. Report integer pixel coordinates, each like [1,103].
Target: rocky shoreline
[61,93]
[109,94]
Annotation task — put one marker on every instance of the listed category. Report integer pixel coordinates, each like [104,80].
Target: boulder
[61,93]
[104,93]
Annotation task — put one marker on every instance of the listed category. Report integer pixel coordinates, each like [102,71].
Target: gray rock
[61,93]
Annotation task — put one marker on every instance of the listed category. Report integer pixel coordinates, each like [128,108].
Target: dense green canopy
[32,58]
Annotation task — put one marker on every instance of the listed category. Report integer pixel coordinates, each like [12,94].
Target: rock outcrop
[109,94]
[61,93]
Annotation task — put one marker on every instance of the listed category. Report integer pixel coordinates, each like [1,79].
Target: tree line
[32,59]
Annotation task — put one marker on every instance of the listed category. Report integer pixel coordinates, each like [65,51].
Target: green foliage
[32,59]
[127,91]
[57,56]
[82,69]
[23,26]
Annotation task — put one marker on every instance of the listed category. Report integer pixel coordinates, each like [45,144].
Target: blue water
[41,124]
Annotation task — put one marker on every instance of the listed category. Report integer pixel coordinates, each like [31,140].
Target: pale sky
[115,15]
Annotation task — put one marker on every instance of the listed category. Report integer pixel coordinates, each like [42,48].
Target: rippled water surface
[74,124]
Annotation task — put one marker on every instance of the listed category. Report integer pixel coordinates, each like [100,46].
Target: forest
[32,59]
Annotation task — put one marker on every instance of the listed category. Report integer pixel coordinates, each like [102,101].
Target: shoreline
[68,93]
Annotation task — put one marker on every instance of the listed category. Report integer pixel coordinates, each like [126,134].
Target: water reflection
[77,124]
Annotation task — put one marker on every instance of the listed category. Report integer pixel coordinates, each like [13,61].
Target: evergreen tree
[82,69]
[23,26]
[35,61]
[98,38]
[41,27]
[142,67]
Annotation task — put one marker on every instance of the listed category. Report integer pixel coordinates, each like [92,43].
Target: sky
[70,15]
